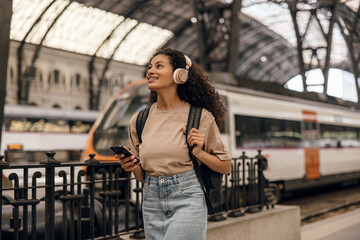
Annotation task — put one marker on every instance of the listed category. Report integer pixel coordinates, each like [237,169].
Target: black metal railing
[246,190]
[71,203]
[98,200]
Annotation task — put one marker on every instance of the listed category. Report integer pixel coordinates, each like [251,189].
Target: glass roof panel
[141,43]
[314,37]
[42,27]
[275,16]
[83,29]
[339,50]
[315,77]
[352,4]
[109,46]
[24,15]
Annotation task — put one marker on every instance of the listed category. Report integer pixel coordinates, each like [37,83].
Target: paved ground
[323,202]
[344,226]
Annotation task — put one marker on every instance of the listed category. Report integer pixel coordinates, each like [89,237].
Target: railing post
[50,164]
[91,172]
[238,168]
[2,165]
[261,184]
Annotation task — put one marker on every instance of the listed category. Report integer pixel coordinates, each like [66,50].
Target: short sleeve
[213,142]
[133,138]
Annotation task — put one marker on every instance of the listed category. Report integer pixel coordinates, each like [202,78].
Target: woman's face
[160,73]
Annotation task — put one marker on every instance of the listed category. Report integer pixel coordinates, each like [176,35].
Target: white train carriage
[33,130]
[306,143]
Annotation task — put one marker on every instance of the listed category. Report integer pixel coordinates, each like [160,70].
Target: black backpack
[210,180]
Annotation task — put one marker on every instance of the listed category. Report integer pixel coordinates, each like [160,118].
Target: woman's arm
[213,162]
[197,139]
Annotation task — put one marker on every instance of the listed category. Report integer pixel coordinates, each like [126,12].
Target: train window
[15,124]
[339,136]
[56,126]
[113,129]
[257,132]
[79,126]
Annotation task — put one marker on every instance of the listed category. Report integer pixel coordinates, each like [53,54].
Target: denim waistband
[171,179]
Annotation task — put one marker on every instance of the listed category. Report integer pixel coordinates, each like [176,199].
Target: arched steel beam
[91,66]
[349,42]
[36,55]
[20,94]
[353,30]
[293,12]
[108,37]
[214,27]
[92,96]
[97,98]
[40,45]
[328,38]
[234,36]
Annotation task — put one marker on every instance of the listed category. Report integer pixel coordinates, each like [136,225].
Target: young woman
[174,205]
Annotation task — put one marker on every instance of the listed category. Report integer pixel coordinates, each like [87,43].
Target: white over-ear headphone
[181,75]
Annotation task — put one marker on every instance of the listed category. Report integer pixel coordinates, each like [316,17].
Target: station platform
[344,226]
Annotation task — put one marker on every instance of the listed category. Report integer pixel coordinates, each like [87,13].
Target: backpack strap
[140,121]
[194,122]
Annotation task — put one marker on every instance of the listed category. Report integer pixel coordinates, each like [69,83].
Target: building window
[56,76]
[12,74]
[78,80]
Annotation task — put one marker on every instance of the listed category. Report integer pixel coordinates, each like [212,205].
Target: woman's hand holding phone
[127,160]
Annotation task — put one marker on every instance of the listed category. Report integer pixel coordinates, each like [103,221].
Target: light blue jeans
[174,208]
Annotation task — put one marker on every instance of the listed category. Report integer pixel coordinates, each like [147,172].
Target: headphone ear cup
[180,76]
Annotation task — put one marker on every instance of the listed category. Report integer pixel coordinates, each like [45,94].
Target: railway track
[323,203]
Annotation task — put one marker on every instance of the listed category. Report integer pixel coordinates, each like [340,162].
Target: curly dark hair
[198,89]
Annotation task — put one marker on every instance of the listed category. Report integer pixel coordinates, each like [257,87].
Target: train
[306,143]
[29,131]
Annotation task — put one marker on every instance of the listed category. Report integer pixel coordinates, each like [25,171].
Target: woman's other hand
[195,139]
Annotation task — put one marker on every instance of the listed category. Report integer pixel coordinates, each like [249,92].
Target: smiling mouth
[151,79]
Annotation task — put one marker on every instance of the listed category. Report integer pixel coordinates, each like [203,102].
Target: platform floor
[344,226]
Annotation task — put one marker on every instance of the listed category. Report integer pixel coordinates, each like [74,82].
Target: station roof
[131,30]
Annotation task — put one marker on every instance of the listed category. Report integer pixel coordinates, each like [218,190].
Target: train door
[310,134]
[225,129]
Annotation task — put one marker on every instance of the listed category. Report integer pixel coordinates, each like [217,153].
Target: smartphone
[121,150]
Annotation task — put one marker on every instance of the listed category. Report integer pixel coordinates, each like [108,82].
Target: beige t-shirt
[163,150]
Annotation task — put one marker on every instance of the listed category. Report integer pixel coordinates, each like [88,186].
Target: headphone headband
[188,62]
[181,75]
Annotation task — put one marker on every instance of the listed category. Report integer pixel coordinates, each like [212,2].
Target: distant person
[174,205]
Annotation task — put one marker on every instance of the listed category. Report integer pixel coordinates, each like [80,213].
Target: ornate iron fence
[98,200]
